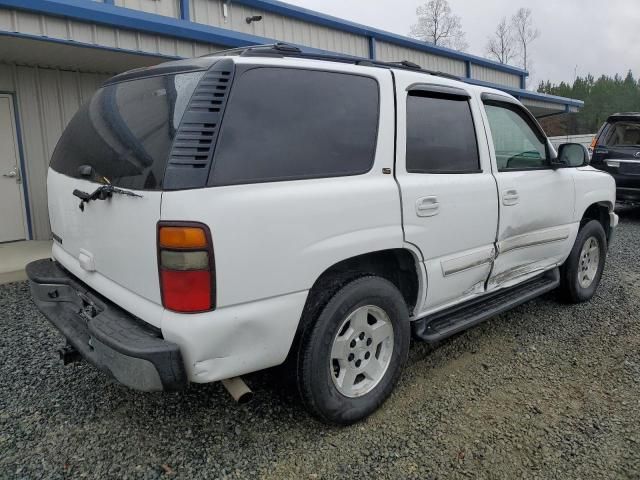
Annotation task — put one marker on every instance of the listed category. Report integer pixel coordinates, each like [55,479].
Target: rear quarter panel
[276,238]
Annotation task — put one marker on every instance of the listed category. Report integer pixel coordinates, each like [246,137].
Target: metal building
[55,53]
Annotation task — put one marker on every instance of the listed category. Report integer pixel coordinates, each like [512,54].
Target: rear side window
[441,136]
[621,134]
[126,130]
[287,124]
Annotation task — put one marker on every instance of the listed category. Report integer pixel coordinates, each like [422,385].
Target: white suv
[217,216]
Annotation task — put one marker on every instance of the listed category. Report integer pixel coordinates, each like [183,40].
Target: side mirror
[571,155]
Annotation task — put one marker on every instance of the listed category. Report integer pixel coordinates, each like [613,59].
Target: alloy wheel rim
[361,351]
[589,262]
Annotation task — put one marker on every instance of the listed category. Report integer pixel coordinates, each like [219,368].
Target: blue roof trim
[184,10]
[520,93]
[102,13]
[312,16]
[118,17]
[107,13]
[146,22]
[373,54]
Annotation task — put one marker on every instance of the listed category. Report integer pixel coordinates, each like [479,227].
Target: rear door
[449,199]
[122,137]
[537,202]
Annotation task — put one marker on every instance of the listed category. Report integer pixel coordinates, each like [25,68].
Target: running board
[446,323]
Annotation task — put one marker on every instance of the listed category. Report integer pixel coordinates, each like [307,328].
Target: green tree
[602,97]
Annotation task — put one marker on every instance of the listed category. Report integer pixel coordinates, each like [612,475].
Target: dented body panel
[469,233]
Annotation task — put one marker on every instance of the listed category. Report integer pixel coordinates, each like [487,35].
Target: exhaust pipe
[239,390]
[68,355]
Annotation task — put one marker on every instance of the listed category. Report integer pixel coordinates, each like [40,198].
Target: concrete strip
[14,257]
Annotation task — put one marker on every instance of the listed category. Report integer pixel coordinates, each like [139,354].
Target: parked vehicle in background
[217,216]
[616,149]
[585,140]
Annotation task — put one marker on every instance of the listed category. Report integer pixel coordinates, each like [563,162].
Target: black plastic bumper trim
[448,322]
[133,352]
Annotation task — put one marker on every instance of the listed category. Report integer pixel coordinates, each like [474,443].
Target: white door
[12,218]
[449,198]
[536,229]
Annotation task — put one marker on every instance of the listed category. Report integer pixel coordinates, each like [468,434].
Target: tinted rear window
[441,137]
[126,130]
[286,124]
[621,134]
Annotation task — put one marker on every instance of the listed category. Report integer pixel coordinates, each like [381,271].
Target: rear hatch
[617,150]
[122,137]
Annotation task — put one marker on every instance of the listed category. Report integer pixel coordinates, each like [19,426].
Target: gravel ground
[545,391]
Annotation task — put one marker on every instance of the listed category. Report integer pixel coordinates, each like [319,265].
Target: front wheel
[581,273]
[351,356]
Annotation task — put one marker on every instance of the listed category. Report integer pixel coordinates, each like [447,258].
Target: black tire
[314,370]
[570,287]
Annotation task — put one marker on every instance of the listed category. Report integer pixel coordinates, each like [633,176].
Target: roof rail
[282,50]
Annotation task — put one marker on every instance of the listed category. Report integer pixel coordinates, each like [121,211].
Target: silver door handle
[510,198]
[427,206]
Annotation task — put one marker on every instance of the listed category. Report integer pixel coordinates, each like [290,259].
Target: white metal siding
[278,27]
[491,75]
[47,99]
[99,35]
[533,103]
[389,52]
[169,8]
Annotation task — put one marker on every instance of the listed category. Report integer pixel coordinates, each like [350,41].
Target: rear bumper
[628,194]
[133,352]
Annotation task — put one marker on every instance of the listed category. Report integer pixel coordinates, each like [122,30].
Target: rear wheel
[582,271]
[351,356]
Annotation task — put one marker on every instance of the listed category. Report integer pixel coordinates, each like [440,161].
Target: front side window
[288,124]
[518,146]
[441,136]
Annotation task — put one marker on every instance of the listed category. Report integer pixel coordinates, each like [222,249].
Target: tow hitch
[68,354]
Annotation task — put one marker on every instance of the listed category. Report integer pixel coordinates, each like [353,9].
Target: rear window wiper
[102,193]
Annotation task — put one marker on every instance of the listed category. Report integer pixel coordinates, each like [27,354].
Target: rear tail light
[594,143]
[185,260]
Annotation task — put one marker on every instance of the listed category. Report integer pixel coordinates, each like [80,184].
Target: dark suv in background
[616,149]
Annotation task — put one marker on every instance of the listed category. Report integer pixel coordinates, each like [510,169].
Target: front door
[12,223]
[536,201]
[449,199]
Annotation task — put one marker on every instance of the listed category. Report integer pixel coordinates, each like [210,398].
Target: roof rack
[281,50]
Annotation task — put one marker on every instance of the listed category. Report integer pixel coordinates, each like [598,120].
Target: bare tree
[439,26]
[525,33]
[502,45]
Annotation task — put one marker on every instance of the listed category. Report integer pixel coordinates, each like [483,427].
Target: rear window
[441,137]
[621,134]
[287,124]
[126,130]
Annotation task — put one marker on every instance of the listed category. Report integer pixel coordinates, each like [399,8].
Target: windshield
[622,134]
[125,132]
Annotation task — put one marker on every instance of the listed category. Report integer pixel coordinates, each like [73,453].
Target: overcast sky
[596,36]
